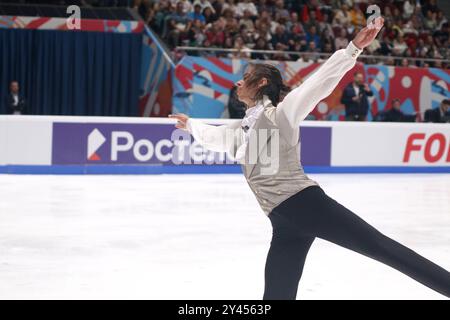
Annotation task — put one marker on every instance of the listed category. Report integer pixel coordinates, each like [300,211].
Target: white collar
[253,110]
[262,103]
[251,115]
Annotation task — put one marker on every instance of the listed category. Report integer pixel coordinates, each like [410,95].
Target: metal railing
[301,53]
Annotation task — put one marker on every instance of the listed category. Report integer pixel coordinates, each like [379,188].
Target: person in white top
[246,5]
[204,4]
[297,207]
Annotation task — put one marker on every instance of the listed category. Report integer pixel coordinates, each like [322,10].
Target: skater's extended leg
[284,265]
[345,228]
[318,215]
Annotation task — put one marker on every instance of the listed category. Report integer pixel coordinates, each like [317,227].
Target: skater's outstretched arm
[214,138]
[302,100]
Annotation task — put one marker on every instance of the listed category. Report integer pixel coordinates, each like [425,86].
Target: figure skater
[298,208]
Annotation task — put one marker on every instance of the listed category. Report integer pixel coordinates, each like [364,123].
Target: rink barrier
[107,145]
[192,169]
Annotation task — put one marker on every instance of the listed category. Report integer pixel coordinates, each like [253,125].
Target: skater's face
[247,87]
[261,80]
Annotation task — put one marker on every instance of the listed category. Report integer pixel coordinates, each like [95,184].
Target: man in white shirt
[246,5]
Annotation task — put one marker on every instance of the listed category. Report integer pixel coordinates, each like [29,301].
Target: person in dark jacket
[14,101]
[355,99]
[439,115]
[395,114]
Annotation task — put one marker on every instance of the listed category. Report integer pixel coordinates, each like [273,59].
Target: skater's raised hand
[368,33]
[182,120]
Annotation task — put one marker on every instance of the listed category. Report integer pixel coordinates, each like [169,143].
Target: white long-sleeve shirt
[295,106]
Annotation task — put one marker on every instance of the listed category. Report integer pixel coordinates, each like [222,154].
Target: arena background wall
[201,86]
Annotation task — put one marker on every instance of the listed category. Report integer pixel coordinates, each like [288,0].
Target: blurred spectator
[215,34]
[150,19]
[441,19]
[430,22]
[298,46]
[197,13]
[357,16]
[328,48]
[440,114]
[395,114]
[280,37]
[408,8]
[341,42]
[355,99]
[218,6]
[196,36]
[441,36]
[231,23]
[374,47]
[162,10]
[14,101]
[247,36]
[185,5]
[280,9]
[230,5]
[247,21]
[342,16]
[429,5]
[243,51]
[313,36]
[246,6]
[314,51]
[261,44]
[325,25]
[294,25]
[399,45]
[327,39]
[264,6]
[312,21]
[280,55]
[176,26]
[263,32]
[228,43]
[209,15]
[205,4]
[405,63]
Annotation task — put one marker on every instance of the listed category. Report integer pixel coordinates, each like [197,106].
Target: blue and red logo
[95,140]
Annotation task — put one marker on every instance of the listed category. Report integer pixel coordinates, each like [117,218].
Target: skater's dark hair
[275,89]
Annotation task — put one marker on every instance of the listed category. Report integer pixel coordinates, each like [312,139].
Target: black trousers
[310,213]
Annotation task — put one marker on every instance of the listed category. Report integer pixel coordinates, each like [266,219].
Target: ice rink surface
[200,237]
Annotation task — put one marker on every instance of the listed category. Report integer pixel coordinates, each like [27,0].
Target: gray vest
[277,173]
